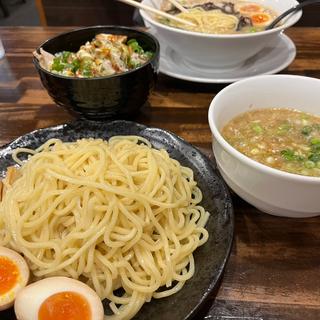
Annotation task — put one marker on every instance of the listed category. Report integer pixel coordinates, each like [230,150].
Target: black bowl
[119,95]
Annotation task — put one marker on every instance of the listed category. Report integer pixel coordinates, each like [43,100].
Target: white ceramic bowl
[219,51]
[270,190]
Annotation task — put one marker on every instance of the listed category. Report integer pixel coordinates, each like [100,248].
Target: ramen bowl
[117,96]
[270,190]
[219,51]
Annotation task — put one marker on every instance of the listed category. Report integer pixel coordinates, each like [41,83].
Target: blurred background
[88,12]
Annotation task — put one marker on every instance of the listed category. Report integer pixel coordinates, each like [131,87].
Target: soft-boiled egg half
[58,298]
[261,19]
[14,275]
[260,16]
[248,8]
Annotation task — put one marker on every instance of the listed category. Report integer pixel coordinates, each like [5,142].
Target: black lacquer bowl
[119,95]
[210,258]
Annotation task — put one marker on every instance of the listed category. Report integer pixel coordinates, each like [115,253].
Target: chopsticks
[178,5]
[156,11]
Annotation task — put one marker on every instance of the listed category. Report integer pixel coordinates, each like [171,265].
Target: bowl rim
[293,19]
[240,156]
[143,33]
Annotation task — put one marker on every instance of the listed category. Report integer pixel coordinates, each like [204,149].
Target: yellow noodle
[212,21]
[116,214]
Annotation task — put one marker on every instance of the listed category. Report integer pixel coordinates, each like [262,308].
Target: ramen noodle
[119,215]
[221,17]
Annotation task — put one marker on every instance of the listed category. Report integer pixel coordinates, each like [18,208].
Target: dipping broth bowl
[118,95]
[270,190]
[220,51]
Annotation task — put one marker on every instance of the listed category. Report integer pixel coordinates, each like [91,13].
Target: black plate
[211,258]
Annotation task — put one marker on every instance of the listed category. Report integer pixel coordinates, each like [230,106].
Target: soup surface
[221,17]
[284,139]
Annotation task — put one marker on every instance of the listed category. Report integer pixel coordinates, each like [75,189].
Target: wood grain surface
[274,268]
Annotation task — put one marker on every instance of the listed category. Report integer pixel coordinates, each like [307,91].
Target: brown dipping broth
[284,139]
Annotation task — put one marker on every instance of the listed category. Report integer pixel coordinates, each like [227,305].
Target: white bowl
[219,51]
[270,190]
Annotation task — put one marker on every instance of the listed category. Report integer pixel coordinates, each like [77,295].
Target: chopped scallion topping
[306,130]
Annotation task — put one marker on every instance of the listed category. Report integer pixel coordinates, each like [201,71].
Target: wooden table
[274,268]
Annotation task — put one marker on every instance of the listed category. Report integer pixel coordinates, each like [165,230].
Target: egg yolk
[9,274]
[259,18]
[65,305]
[250,8]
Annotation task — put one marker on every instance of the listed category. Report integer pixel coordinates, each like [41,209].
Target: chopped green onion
[315,148]
[134,45]
[133,63]
[57,64]
[75,65]
[257,128]
[86,68]
[148,55]
[289,155]
[315,157]
[309,164]
[314,141]
[283,128]
[65,56]
[306,130]
[86,72]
